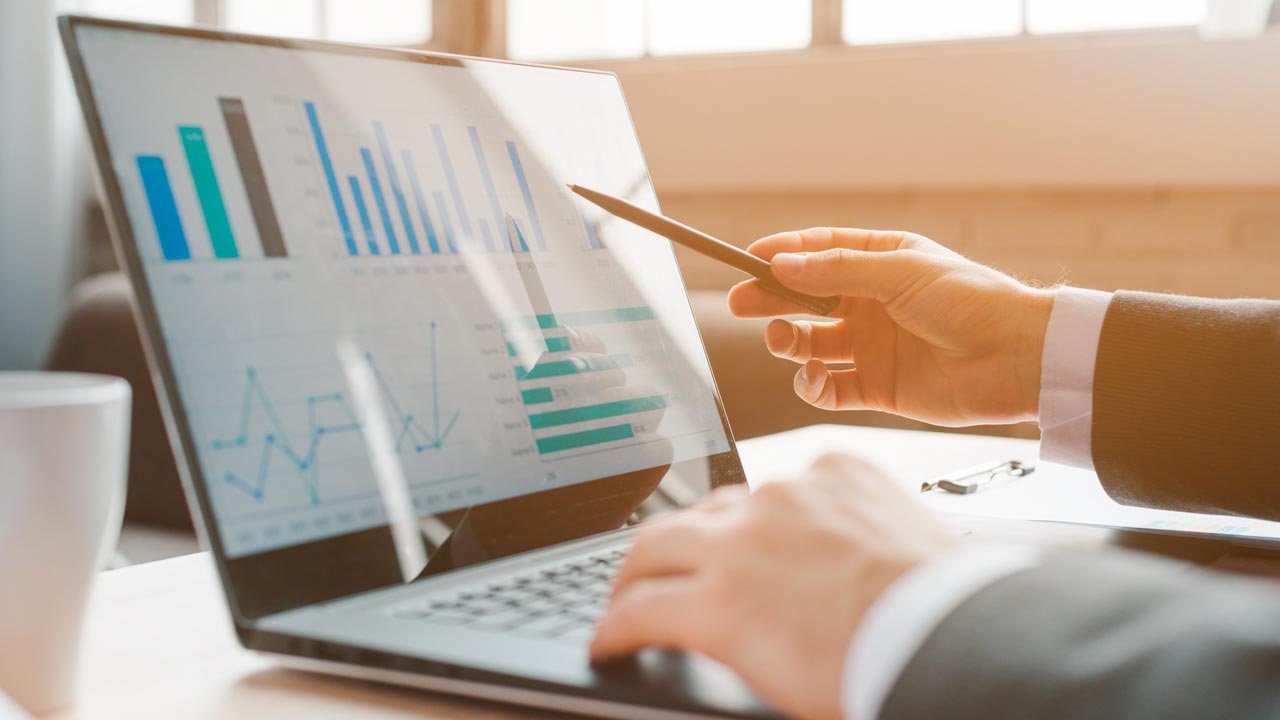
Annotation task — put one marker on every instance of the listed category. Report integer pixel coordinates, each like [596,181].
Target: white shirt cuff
[900,621]
[1066,376]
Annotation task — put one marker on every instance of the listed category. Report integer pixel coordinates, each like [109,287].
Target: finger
[671,547]
[747,299]
[879,276]
[802,340]
[830,389]
[824,238]
[652,613]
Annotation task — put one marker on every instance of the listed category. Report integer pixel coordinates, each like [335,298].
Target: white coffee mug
[64,449]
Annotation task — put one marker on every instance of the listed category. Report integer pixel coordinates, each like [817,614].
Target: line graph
[278,445]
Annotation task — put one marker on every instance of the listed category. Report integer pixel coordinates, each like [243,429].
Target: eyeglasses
[966,482]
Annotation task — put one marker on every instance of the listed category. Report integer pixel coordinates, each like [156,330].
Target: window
[1050,16]
[377,22]
[573,29]
[173,12]
[887,21]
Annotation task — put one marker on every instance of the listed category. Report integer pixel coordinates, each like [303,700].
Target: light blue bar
[526,194]
[420,200]
[593,241]
[323,150]
[380,200]
[464,220]
[494,206]
[445,222]
[363,211]
[485,234]
[164,210]
[393,177]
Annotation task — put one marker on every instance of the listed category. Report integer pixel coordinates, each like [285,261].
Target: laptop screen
[392,342]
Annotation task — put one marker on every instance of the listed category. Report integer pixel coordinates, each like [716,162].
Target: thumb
[880,276]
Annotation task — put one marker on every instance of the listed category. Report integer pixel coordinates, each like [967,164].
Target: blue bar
[164,211]
[323,149]
[524,246]
[484,233]
[528,196]
[364,214]
[445,222]
[592,240]
[463,219]
[380,200]
[494,205]
[394,178]
[429,227]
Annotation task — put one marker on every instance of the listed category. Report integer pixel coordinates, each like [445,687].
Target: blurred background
[1104,143]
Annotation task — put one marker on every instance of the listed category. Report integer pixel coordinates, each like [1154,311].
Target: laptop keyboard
[561,601]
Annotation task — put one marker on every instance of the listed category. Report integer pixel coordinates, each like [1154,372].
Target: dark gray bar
[255,183]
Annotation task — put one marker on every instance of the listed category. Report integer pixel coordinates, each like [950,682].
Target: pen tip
[571,186]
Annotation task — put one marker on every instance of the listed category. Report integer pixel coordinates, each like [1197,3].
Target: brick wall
[1213,242]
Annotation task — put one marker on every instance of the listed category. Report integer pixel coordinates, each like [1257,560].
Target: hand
[932,336]
[772,584]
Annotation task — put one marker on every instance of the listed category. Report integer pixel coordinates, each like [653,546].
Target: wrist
[1034,325]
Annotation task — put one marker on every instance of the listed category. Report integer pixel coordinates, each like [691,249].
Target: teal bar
[571,441]
[555,344]
[596,412]
[586,317]
[536,395]
[206,182]
[576,366]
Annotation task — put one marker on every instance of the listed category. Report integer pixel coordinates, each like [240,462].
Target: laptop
[420,395]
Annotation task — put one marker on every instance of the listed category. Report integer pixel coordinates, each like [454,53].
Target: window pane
[883,21]
[174,12]
[699,26]
[378,22]
[1048,16]
[568,29]
[298,18]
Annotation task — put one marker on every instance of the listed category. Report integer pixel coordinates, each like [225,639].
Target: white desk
[159,642]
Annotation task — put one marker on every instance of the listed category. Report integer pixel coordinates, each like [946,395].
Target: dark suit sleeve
[1186,404]
[1101,636]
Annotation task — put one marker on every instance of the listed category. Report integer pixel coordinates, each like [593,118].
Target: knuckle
[776,492]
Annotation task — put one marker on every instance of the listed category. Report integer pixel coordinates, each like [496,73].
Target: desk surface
[159,643]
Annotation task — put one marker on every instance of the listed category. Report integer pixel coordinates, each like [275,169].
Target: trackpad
[678,680]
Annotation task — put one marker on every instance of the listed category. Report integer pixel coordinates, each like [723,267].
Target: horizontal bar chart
[585,438]
[600,411]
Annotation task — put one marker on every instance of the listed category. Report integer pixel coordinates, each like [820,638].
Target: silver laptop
[419,393]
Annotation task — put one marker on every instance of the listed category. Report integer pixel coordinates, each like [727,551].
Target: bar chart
[576,400]
[398,212]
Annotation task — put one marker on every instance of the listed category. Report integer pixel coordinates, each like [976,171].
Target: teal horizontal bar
[584,413]
[536,395]
[586,317]
[572,366]
[586,438]
[554,344]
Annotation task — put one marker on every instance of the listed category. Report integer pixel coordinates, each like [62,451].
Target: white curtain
[44,179]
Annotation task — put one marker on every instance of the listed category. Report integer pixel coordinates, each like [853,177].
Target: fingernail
[781,337]
[787,263]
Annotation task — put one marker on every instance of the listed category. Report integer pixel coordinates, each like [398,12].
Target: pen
[707,245]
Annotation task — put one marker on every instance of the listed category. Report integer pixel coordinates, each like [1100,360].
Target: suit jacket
[1186,415]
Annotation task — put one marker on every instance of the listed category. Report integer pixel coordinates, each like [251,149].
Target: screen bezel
[244,582]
